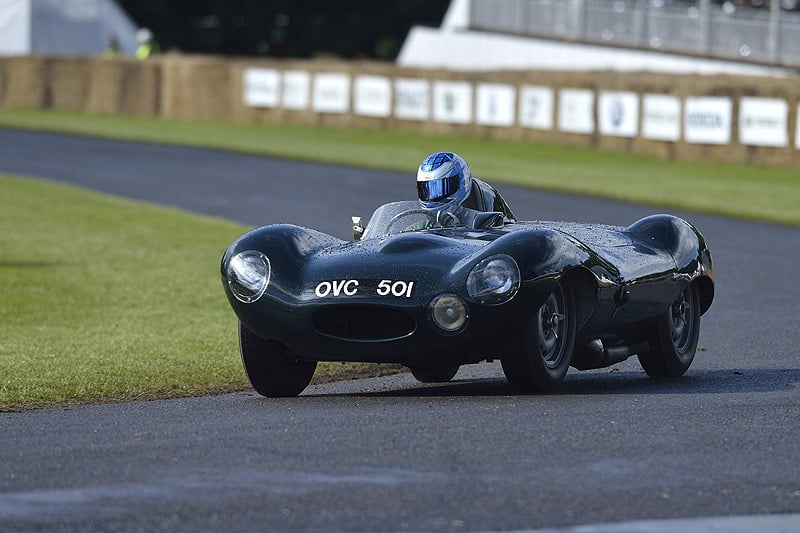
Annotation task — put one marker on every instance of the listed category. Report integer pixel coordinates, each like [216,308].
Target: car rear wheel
[434,373]
[674,339]
[537,358]
[272,369]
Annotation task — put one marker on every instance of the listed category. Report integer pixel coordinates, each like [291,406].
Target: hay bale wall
[212,88]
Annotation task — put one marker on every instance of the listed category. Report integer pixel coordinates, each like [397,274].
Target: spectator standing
[112,48]
[147,45]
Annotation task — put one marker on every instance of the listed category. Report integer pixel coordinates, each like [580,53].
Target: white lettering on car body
[347,286]
[350,287]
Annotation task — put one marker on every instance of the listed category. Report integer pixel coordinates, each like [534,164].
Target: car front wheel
[273,370]
[674,339]
[434,373]
[537,358]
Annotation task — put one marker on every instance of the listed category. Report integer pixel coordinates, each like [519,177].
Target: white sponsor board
[452,102]
[661,117]
[261,87]
[495,104]
[536,107]
[331,93]
[618,113]
[412,99]
[373,96]
[296,84]
[763,121]
[707,120]
[576,110]
[797,129]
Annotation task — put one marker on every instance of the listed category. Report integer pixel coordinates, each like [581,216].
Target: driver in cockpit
[444,183]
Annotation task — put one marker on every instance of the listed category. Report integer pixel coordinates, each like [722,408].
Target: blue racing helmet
[443,180]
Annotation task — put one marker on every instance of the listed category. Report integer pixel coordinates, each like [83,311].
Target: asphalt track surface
[389,454]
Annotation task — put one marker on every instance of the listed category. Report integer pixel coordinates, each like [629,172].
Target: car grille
[363,322]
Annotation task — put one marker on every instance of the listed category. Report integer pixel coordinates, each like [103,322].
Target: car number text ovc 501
[351,287]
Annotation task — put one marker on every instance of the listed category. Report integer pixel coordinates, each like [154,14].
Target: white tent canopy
[63,27]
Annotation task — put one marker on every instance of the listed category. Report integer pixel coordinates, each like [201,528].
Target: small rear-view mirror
[358,230]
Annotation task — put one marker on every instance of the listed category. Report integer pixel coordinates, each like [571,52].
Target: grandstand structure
[669,36]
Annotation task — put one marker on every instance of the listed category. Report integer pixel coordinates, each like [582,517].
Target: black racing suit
[484,197]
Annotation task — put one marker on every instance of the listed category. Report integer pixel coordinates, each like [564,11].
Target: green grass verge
[106,299]
[746,191]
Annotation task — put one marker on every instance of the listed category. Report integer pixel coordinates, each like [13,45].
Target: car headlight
[248,275]
[493,281]
[449,313]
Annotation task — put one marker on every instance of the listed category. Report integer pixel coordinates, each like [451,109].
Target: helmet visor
[437,189]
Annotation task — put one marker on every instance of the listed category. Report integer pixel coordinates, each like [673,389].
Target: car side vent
[363,322]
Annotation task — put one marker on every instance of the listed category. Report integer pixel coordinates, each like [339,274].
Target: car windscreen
[401,217]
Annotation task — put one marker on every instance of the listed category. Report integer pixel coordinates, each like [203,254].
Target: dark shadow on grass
[727,381]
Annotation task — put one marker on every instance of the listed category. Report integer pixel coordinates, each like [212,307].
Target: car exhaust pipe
[603,356]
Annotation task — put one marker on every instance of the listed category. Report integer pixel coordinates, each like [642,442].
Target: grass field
[106,299]
[757,193]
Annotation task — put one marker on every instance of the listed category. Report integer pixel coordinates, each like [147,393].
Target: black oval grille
[363,322]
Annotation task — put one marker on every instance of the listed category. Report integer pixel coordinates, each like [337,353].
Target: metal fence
[702,27]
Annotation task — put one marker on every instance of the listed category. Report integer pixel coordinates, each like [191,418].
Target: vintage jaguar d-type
[436,290]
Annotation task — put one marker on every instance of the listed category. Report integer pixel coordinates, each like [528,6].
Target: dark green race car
[434,290]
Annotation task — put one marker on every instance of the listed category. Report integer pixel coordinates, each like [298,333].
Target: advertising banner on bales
[452,102]
[797,130]
[495,104]
[661,117]
[331,93]
[373,96]
[412,99]
[576,110]
[618,113]
[262,87]
[707,120]
[763,121]
[536,107]
[296,85]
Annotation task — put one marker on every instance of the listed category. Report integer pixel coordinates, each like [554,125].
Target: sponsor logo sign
[331,92]
[661,117]
[707,120]
[452,102]
[412,99]
[576,111]
[797,129]
[536,107]
[373,96]
[618,113]
[495,104]
[295,89]
[763,121]
[261,87]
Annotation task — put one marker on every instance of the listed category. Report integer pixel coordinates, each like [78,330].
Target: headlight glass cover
[248,275]
[449,313]
[494,281]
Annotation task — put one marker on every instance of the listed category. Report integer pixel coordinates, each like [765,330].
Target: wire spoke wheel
[552,326]
[537,359]
[673,342]
[683,321]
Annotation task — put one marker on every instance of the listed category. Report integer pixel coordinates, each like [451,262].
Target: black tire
[674,339]
[434,373]
[537,358]
[273,370]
